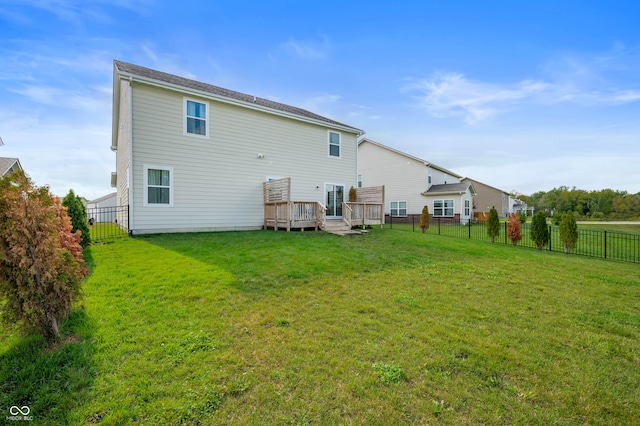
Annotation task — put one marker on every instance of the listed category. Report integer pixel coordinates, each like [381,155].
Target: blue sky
[521,95]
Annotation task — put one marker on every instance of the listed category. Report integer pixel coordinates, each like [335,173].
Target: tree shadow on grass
[51,378]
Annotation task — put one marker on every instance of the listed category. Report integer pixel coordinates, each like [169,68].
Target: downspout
[130,172]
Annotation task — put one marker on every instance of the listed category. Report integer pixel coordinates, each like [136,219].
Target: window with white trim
[467,207]
[359,181]
[398,208]
[158,186]
[334,144]
[443,207]
[195,118]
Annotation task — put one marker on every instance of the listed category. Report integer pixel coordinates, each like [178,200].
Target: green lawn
[308,328]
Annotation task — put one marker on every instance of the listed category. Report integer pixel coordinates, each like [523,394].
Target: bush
[353,195]
[41,266]
[514,228]
[540,230]
[568,231]
[425,219]
[78,215]
[522,216]
[493,224]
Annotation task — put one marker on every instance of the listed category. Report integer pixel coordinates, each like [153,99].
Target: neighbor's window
[334,144]
[443,207]
[359,181]
[467,207]
[398,208]
[158,183]
[195,118]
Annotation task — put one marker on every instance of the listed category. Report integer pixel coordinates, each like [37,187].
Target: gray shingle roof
[6,164]
[136,70]
[448,188]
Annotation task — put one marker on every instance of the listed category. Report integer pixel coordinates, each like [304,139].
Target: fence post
[505,232]
[438,226]
[469,222]
[550,236]
[413,223]
[605,244]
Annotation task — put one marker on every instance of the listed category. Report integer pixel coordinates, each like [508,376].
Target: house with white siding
[191,156]
[411,183]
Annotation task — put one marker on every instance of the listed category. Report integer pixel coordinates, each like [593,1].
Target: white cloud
[307,49]
[452,94]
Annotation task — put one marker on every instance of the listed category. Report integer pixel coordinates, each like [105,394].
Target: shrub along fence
[591,242]
[106,223]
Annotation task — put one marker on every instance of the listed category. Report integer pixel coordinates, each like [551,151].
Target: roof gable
[169,80]
[7,163]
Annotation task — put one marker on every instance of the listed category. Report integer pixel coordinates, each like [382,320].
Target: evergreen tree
[514,228]
[568,231]
[41,266]
[425,219]
[540,230]
[78,215]
[353,195]
[493,224]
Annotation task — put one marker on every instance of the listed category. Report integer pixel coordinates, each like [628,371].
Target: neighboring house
[191,156]
[411,183]
[103,209]
[9,165]
[489,196]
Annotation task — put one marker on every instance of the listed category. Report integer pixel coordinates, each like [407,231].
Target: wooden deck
[282,213]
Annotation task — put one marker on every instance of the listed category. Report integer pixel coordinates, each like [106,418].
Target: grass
[621,244]
[310,328]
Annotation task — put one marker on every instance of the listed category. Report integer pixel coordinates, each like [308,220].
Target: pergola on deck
[282,213]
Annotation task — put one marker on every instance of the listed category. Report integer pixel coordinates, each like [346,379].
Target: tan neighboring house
[411,183]
[489,196]
[191,156]
[9,165]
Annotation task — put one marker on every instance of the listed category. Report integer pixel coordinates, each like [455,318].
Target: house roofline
[133,77]
[420,160]
[15,160]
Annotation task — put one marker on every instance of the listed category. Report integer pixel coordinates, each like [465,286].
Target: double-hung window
[398,208]
[196,117]
[158,186]
[443,207]
[334,144]
[467,208]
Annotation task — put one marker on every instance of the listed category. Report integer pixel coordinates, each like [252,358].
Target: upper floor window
[195,118]
[359,181]
[334,144]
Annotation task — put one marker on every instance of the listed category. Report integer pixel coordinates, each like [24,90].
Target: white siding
[404,178]
[218,181]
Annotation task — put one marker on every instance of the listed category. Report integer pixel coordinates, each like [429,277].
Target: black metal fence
[591,242]
[108,222]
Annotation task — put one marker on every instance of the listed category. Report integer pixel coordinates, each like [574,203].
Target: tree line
[600,204]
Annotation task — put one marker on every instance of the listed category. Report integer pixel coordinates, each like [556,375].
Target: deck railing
[362,214]
[294,214]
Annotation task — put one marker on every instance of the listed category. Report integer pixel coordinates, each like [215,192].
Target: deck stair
[338,227]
